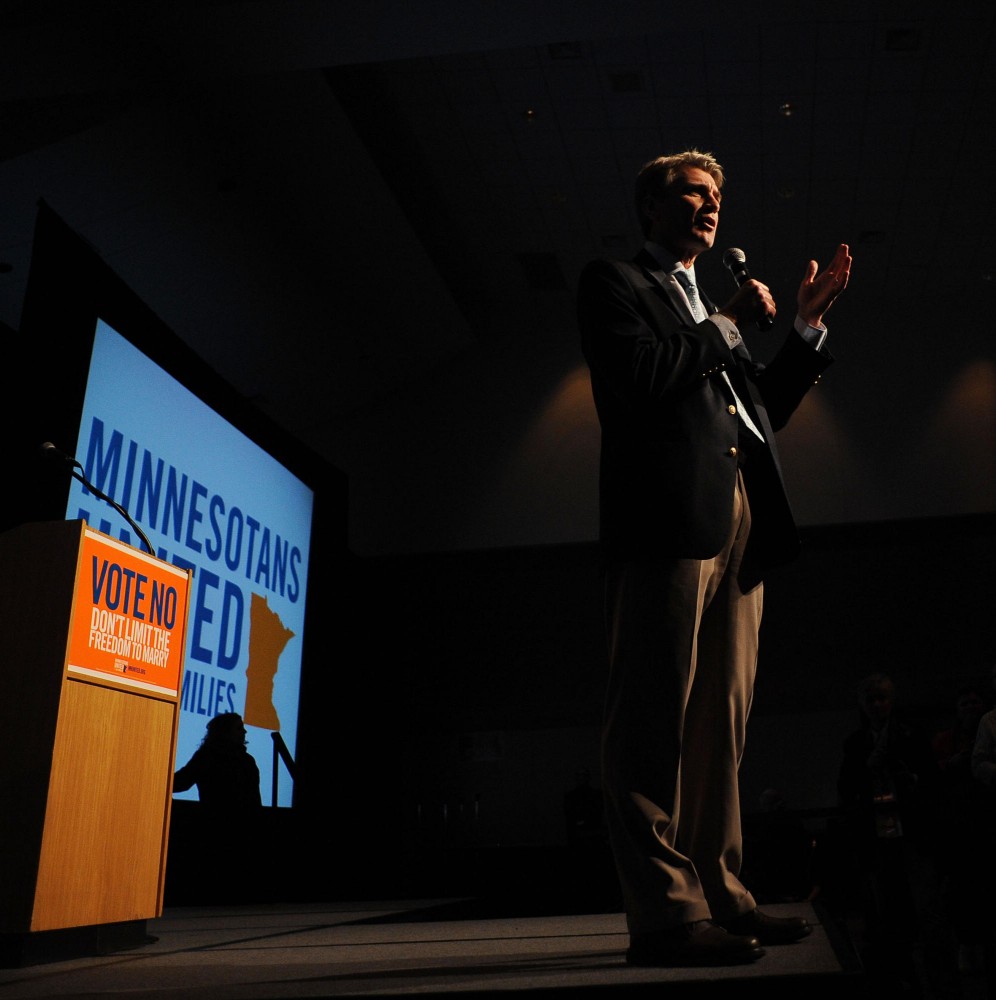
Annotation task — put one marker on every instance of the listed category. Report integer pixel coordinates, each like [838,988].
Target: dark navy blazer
[670,431]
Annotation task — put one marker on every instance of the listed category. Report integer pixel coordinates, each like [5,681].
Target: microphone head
[734,258]
[60,456]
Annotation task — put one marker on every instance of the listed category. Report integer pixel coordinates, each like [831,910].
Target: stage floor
[408,948]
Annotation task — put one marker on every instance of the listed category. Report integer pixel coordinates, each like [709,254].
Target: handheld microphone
[76,471]
[735,260]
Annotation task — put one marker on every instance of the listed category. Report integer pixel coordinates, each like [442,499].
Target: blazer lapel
[672,293]
[674,296]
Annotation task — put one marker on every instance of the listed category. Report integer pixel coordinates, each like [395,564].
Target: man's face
[684,217]
[878,704]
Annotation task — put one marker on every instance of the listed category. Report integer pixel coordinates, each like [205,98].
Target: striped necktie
[692,294]
[700,314]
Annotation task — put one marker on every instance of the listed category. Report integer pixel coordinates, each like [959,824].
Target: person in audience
[983,877]
[887,786]
[962,829]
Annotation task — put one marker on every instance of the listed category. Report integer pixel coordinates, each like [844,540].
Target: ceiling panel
[340,207]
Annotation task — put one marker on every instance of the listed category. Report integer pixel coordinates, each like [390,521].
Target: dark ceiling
[370,220]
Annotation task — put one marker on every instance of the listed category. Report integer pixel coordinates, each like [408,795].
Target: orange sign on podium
[129,616]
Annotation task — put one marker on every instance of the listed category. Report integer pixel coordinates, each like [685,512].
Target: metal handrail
[280,752]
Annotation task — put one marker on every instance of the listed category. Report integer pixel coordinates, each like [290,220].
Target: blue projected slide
[212,500]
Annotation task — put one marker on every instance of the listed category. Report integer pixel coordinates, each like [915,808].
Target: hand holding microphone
[753,299]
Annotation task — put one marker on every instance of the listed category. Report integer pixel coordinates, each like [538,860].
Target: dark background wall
[466,691]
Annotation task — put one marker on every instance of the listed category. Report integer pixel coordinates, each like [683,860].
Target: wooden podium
[93,636]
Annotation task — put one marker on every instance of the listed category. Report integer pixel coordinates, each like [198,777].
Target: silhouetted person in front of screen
[227,780]
[223,770]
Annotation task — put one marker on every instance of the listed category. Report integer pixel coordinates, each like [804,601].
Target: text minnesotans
[201,521]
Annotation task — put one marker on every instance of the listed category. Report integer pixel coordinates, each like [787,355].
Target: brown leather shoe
[768,929]
[697,944]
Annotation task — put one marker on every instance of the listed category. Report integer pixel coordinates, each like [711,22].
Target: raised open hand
[817,291]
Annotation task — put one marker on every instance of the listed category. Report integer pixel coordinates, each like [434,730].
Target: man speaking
[692,513]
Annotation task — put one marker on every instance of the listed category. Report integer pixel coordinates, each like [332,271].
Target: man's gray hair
[657,175]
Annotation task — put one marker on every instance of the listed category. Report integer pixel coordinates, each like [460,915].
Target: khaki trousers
[683,642]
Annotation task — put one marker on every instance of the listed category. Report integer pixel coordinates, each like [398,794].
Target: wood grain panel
[103,850]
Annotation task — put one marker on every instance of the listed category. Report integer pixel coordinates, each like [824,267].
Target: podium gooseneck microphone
[735,260]
[76,471]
